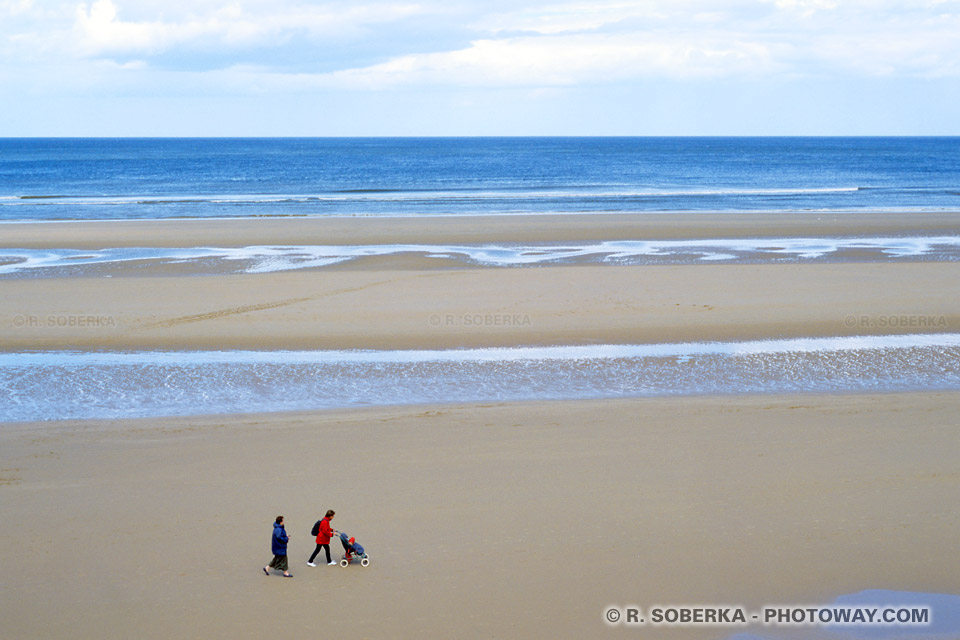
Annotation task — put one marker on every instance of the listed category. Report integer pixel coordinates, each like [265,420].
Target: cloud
[99,31]
[931,54]
[622,42]
[561,61]
[389,44]
[806,7]
[15,7]
[570,17]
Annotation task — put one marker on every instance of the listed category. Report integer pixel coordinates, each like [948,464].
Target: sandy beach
[467,229]
[406,301]
[521,520]
[483,520]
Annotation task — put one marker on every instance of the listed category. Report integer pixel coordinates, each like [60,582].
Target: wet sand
[389,308]
[408,301]
[467,229]
[522,520]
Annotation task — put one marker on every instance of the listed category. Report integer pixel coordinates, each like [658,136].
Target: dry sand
[521,520]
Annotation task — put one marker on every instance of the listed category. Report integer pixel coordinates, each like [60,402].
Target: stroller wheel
[365,562]
[344,562]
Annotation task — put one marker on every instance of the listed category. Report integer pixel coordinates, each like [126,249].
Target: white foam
[401,195]
[266,258]
[683,350]
[262,259]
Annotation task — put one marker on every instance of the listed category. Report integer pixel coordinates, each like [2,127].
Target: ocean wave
[399,195]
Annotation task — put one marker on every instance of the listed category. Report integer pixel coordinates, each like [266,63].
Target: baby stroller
[353,552]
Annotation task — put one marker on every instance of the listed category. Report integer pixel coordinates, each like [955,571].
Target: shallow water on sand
[67,385]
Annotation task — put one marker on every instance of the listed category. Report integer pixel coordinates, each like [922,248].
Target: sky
[453,67]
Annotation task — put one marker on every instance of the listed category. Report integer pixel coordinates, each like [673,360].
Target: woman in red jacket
[323,538]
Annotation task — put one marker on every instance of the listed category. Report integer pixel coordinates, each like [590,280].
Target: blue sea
[87,179]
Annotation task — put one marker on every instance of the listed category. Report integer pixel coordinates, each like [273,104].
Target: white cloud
[571,17]
[15,7]
[932,53]
[617,42]
[806,7]
[561,61]
[531,45]
[99,29]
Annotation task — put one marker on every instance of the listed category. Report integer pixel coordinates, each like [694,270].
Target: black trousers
[325,547]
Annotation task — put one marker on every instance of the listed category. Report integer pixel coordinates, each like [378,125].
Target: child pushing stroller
[353,552]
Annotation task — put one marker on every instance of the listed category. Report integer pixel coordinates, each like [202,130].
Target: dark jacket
[280,539]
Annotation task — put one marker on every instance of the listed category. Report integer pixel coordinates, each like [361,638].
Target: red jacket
[325,532]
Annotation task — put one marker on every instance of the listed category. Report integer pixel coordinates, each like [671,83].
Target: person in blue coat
[279,546]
